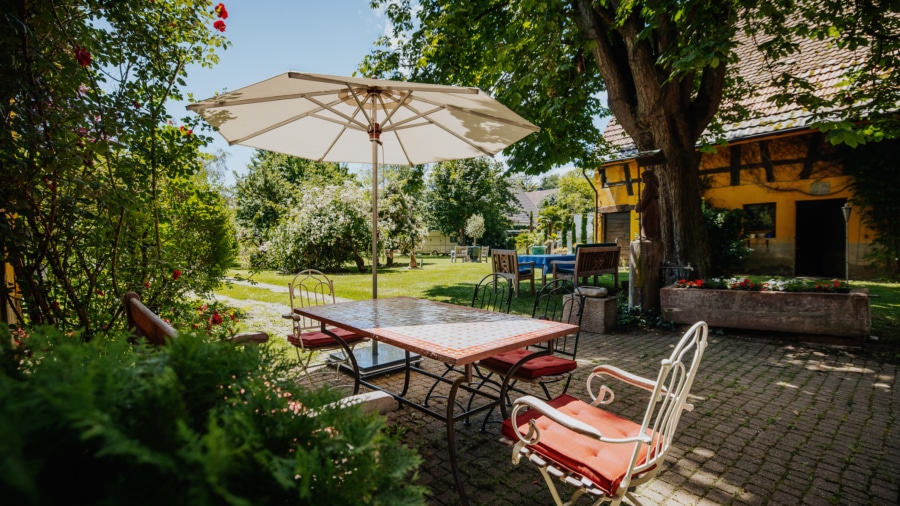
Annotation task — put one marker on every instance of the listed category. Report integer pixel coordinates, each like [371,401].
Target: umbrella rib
[460,137]
[331,146]
[451,132]
[272,127]
[402,148]
[418,115]
[526,125]
[199,106]
[389,115]
[383,85]
[352,126]
[339,113]
[360,107]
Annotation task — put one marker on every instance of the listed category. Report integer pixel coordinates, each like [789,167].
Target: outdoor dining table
[545,262]
[455,335]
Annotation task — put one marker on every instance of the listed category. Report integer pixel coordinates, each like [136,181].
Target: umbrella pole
[374,139]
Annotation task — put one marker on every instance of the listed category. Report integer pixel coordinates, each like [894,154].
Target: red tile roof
[823,64]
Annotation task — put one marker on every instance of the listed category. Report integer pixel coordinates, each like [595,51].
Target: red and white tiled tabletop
[453,334]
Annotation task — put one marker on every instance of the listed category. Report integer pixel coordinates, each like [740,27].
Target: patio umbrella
[330,118]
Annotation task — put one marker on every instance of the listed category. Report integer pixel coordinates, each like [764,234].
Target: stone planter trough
[829,314]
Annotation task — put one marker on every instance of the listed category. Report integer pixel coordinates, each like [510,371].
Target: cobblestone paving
[773,424]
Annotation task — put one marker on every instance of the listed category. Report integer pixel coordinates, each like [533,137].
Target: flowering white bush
[329,227]
[400,222]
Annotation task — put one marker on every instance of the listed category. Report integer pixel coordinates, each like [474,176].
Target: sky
[271,37]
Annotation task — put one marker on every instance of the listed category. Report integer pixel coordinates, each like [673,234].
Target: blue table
[543,262]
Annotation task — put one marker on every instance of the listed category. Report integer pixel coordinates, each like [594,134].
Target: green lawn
[438,279]
[441,280]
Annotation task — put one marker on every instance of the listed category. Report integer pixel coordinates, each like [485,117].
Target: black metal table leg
[451,440]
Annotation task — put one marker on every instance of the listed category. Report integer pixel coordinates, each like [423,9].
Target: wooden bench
[590,260]
[145,323]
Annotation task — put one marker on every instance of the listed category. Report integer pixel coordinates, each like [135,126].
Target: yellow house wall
[773,255]
[615,198]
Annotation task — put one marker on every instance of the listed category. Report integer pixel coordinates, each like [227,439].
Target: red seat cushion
[533,369]
[319,339]
[605,464]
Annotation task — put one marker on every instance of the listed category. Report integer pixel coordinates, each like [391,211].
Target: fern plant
[195,422]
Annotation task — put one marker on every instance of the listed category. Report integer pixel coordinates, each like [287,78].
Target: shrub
[194,422]
[329,226]
[725,228]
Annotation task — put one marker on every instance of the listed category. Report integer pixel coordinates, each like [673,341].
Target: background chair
[555,301]
[493,293]
[590,260]
[313,288]
[461,253]
[484,254]
[506,263]
[598,452]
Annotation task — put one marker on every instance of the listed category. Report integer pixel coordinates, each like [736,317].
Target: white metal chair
[313,288]
[600,453]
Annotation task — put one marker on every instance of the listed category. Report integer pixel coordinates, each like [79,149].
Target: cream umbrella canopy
[329,118]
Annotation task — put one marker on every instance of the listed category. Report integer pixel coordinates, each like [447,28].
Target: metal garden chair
[600,453]
[555,301]
[313,288]
[493,293]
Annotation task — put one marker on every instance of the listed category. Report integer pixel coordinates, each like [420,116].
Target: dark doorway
[820,242]
[617,228]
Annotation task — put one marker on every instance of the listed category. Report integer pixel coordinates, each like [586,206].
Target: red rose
[219,25]
[82,56]
[216,318]
[146,284]
[221,11]
[176,274]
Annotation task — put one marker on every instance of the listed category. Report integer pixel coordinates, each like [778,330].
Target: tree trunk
[684,237]
[412,260]
[660,110]
[360,263]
